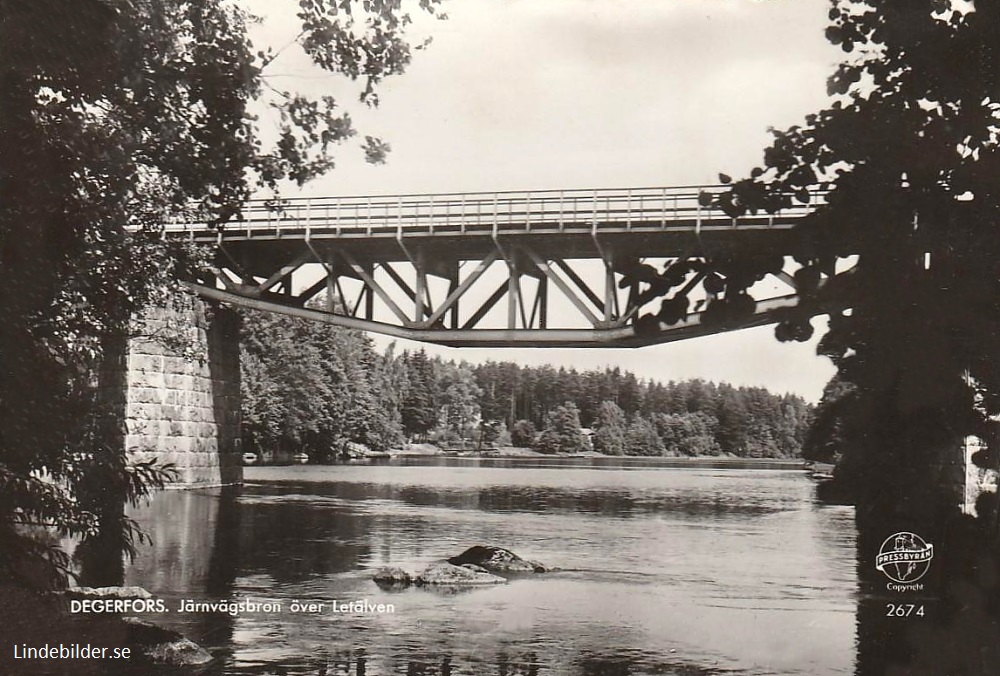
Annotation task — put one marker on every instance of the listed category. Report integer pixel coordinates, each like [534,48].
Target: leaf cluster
[117,117]
[909,152]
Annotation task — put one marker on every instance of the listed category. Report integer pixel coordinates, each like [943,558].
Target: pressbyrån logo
[904,557]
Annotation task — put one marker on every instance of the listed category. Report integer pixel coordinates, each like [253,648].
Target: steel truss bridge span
[569,268]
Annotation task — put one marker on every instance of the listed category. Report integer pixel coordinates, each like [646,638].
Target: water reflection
[661,571]
[195,554]
[621,502]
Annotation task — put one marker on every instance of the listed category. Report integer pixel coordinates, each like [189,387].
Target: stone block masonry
[181,379]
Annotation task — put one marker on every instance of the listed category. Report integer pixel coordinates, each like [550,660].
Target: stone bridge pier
[177,393]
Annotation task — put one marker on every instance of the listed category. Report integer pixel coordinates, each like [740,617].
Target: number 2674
[904,610]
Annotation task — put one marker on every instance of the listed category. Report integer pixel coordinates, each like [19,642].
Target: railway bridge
[568,268]
[556,268]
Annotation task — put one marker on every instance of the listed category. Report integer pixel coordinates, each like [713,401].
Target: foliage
[900,249]
[687,434]
[420,404]
[459,398]
[503,437]
[523,433]
[449,403]
[827,439]
[116,117]
[610,429]
[493,433]
[561,433]
[909,152]
[641,438]
[745,421]
[309,387]
[387,382]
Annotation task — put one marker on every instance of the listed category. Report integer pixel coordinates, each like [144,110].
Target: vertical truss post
[527,211]
[399,218]
[610,292]
[420,267]
[513,290]
[331,286]
[543,302]
[370,295]
[452,287]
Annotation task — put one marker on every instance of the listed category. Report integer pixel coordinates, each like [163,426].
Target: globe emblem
[904,557]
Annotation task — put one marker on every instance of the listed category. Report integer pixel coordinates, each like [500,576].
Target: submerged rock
[108,593]
[392,576]
[475,566]
[496,560]
[446,574]
[165,647]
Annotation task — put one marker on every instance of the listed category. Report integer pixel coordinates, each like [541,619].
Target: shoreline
[517,453]
[510,452]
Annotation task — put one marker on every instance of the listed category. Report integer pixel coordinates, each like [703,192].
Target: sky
[564,94]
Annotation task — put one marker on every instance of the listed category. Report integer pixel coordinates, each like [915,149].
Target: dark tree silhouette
[116,117]
[908,150]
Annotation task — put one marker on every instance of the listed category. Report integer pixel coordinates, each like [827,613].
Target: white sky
[536,94]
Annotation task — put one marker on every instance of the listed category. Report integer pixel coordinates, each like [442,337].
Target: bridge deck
[601,210]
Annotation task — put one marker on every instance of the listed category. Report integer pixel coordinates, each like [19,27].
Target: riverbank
[423,450]
[429,451]
[417,452]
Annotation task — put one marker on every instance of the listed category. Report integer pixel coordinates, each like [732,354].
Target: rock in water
[391,576]
[448,575]
[108,593]
[496,560]
[164,647]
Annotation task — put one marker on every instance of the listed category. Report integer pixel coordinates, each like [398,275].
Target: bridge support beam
[180,380]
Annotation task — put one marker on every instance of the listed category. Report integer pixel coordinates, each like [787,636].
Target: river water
[661,570]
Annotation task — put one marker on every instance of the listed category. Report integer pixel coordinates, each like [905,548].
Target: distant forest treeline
[314,388]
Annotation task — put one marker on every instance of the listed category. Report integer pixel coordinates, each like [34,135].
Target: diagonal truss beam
[224,278]
[374,286]
[460,290]
[580,284]
[236,267]
[407,289]
[305,296]
[550,274]
[286,270]
[486,306]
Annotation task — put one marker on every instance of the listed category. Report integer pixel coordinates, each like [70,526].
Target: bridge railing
[479,211]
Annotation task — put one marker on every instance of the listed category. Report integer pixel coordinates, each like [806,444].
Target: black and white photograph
[499,337]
